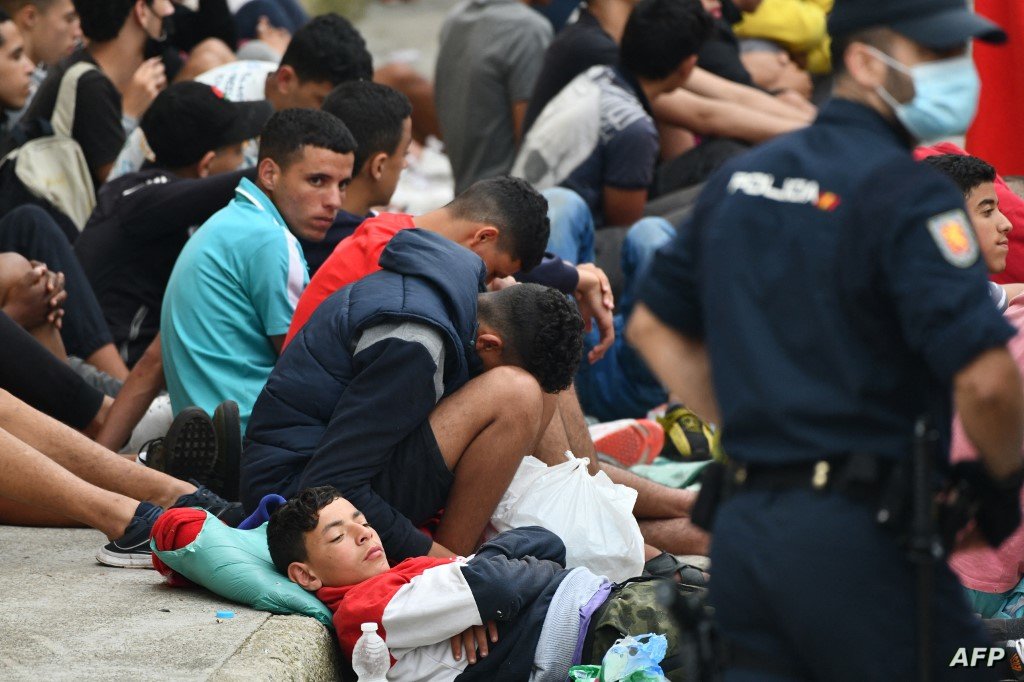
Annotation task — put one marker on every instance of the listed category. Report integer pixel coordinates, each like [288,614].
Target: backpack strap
[64,110]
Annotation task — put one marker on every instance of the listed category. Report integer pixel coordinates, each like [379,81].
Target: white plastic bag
[592,515]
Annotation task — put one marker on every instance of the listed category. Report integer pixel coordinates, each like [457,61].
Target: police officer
[824,295]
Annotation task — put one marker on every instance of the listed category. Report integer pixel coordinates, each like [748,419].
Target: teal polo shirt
[235,284]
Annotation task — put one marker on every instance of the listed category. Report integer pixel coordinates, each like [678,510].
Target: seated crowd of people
[209,298]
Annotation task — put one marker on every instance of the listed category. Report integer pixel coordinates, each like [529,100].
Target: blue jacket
[335,408]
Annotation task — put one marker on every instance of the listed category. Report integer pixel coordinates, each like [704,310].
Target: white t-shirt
[241,81]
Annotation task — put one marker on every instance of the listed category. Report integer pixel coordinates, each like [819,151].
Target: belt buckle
[820,477]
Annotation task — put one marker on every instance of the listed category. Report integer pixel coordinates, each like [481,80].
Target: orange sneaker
[630,441]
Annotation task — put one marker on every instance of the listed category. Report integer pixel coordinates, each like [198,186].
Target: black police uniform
[838,288]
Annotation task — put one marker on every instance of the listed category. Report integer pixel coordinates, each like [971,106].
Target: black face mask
[166,31]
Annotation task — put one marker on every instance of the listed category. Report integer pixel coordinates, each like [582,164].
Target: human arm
[679,362]
[146,83]
[988,397]
[930,265]
[157,209]
[524,59]
[720,118]
[622,207]
[520,543]
[518,116]
[596,303]
[589,285]
[143,385]
[628,159]
[709,85]
[667,324]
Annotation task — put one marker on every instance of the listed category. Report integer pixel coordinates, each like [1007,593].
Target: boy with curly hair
[411,392]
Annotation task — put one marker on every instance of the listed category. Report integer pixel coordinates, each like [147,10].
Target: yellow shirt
[797,25]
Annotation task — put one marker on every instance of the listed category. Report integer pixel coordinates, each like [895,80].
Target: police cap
[936,24]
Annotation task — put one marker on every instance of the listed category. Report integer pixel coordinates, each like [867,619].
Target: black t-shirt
[316,253]
[128,248]
[97,126]
[721,55]
[577,48]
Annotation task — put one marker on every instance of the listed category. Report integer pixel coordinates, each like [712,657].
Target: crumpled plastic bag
[635,659]
[584,673]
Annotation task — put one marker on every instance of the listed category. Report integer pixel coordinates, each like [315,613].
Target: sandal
[667,566]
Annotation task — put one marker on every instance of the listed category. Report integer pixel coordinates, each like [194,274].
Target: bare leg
[13,513]
[484,430]
[676,536]
[86,459]
[96,425]
[653,501]
[663,514]
[106,359]
[28,476]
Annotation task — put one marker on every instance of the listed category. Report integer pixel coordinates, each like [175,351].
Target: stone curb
[284,648]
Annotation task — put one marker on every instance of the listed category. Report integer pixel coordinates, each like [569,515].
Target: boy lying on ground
[540,617]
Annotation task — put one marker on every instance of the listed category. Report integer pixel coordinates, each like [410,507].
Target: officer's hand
[998,501]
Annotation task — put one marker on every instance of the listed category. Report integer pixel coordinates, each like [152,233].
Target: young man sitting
[142,220]
[502,220]
[112,97]
[412,392]
[541,617]
[976,179]
[50,30]
[322,54]
[597,136]
[232,293]
[380,120]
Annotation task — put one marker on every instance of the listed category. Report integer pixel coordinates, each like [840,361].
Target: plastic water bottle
[371,659]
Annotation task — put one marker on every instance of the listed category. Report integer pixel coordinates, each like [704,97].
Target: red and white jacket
[422,602]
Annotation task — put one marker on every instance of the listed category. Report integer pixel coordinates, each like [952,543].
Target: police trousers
[807,586]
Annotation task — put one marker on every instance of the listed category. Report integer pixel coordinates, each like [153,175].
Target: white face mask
[945,96]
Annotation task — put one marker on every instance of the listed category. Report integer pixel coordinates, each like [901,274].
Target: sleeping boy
[539,614]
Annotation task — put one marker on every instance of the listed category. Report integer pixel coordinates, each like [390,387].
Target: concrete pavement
[64,617]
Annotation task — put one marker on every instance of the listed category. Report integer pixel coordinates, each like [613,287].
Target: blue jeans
[619,385]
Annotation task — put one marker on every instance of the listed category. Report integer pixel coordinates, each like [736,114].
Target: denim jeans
[619,385]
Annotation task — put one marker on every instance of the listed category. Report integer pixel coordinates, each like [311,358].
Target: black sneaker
[230,513]
[188,450]
[131,550]
[227,425]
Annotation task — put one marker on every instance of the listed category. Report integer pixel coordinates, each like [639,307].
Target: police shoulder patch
[954,236]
